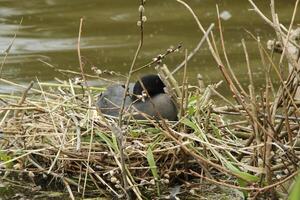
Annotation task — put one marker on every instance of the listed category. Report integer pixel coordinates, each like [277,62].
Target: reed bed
[54,134]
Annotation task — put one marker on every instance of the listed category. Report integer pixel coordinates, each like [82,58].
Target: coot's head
[152,83]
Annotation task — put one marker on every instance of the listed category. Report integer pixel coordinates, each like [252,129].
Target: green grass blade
[152,165]
[110,143]
[295,194]
[246,176]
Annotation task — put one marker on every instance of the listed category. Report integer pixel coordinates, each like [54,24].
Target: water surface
[49,32]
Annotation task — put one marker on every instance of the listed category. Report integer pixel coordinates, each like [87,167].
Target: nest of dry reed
[250,146]
[56,131]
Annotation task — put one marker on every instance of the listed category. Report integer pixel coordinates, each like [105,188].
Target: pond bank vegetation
[52,134]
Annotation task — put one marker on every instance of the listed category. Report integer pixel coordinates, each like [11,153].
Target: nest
[56,132]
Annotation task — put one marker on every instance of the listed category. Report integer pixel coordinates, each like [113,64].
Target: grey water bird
[110,101]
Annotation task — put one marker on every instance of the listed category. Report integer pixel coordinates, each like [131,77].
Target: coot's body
[158,105]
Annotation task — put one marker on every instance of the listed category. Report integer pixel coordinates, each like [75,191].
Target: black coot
[110,101]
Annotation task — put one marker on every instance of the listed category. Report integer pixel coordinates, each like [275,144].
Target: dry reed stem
[225,54]
[119,133]
[289,31]
[7,51]
[199,45]
[213,52]
[183,89]
[158,59]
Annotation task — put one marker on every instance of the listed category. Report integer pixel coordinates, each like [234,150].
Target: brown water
[110,35]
